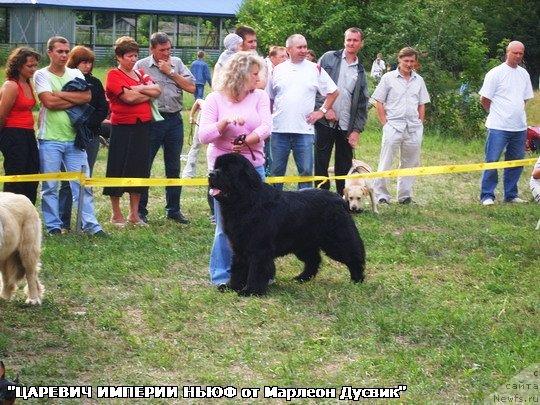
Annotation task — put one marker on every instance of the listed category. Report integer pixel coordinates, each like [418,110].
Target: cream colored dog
[20,247]
[357,189]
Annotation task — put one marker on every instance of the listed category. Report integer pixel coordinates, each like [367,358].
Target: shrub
[458,114]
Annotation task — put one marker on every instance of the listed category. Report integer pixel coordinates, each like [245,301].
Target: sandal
[118,224]
[140,222]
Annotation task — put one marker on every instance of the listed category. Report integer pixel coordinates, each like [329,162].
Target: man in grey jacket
[343,124]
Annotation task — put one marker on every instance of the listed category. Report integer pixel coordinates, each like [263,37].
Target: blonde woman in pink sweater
[237,109]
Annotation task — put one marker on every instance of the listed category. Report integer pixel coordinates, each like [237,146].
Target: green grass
[449,307]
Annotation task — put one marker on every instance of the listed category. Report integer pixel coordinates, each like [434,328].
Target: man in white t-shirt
[56,137]
[378,68]
[503,95]
[294,85]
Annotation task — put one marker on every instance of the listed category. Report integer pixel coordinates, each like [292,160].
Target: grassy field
[449,307]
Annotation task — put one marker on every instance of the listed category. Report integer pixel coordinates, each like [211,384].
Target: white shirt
[293,88]
[348,74]
[378,68]
[507,88]
[401,98]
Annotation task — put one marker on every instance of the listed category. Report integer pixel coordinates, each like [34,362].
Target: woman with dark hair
[82,58]
[17,138]
[130,93]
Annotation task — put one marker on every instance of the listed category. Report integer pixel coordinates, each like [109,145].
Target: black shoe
[100,234]
[383,201]
[180,218]
[223,287]
[143,218]
[406,201]
[55,231]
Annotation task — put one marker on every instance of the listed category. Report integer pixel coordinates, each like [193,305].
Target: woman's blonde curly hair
[234,76]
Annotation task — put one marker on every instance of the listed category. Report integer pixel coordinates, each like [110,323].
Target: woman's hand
[235,120]
[230,120]
[250,139]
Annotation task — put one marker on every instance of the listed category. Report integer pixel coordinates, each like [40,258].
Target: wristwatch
[324,110]
[171,73]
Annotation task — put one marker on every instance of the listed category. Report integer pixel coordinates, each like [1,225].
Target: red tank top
[21,115]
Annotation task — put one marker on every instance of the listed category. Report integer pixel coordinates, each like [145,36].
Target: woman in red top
[130,93]
[17,139]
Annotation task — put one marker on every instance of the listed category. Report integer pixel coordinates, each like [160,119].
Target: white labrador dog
[20,247]
[356,190]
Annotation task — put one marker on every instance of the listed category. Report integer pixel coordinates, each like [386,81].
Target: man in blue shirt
[200,70]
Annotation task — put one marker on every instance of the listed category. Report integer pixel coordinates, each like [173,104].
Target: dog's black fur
[7,396]
[263,223]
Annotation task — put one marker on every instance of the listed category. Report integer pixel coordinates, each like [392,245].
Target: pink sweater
[255,109]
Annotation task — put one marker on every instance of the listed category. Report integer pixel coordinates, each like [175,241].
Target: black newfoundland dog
[262,223]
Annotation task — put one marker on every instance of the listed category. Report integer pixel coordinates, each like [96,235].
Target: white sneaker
[488,201]
[516,200]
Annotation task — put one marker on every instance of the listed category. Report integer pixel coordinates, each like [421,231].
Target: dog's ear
[345,193]
[2,370]
[365,191]
[253,178]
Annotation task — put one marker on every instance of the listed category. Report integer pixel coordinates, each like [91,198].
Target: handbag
[156,115]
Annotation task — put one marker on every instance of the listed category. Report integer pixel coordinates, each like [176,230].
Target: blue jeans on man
[302,148]
[221,253]
[52,154]
[199,91]
[496,142]
[65,199]
[168,134]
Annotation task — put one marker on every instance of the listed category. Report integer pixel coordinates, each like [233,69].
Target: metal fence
[105,54]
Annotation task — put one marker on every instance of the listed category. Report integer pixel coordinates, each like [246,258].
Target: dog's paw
[33,301]
[7,293]
[302,278]
[236,286]
[358,279]
[248,292]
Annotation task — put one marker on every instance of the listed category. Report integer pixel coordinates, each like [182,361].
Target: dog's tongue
[214,191]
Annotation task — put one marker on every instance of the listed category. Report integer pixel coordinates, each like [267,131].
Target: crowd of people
[261,108]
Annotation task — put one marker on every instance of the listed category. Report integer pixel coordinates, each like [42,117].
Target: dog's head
[354,196]
[233,177]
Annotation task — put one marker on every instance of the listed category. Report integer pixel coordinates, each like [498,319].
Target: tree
[450,39]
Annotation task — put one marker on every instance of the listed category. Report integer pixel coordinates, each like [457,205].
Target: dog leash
[241,140]
[190,133]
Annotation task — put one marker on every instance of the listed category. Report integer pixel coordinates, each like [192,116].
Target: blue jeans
[199,91]
[221,253]
[52,155]
[302,148]
[64,197]
[496,142]
[168,134]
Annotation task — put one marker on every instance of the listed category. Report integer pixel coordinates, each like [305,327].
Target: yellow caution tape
[430,170]
[202,181]
[19,178]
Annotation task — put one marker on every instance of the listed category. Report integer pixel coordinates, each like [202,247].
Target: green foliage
[458,114]
[454,38]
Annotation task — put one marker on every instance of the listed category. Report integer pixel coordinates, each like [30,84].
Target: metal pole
[78,226]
